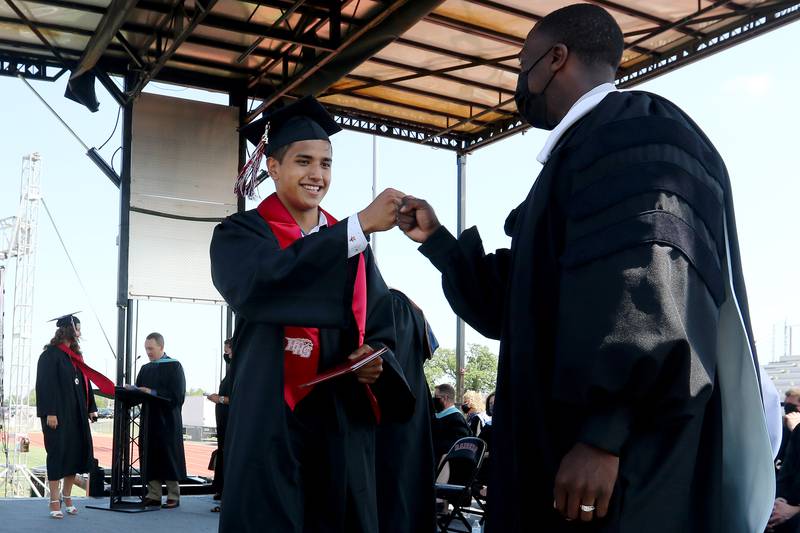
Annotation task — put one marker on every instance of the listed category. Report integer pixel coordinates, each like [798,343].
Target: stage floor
[30,515]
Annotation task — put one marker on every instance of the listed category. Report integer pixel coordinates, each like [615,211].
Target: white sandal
[58,515]
[71,509]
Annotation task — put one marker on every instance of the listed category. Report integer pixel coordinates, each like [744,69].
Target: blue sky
[744,98]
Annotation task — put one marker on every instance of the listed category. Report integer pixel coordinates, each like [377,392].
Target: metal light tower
[19,415]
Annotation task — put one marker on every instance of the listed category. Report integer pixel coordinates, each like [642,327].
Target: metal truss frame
[303,52]
[32,69]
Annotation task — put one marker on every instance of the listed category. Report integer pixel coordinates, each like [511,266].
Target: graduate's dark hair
[588,31]
[280,153]
[228,342]
[158,337]
[65,333]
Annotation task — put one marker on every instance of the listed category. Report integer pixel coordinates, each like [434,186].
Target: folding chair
[463,461]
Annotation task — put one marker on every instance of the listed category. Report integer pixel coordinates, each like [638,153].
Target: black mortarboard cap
[66,320]
[302,120]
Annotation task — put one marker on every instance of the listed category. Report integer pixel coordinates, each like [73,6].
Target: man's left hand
[93,417]
[370,372]
[586,477]
[781,513]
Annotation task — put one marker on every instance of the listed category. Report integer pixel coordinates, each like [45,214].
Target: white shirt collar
[323,221]
[579,109]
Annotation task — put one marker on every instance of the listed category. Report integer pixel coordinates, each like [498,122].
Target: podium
[129,450]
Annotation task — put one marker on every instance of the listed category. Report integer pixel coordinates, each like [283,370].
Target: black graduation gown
[313,469]
[404,451]
[788,481]
[165,460]
[69,446]
[221,415]
[606,307]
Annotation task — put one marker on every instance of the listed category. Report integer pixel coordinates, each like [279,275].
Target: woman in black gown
[65,403]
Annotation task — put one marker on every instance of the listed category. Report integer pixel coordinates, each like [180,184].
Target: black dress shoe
[149,502]
[171,504]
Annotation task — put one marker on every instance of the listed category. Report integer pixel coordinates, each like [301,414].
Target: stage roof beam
[359,45]
[115,16]
[201,11]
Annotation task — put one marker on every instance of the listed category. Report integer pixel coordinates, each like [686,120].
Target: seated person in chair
[449,424]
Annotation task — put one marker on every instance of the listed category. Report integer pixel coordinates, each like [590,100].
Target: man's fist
[417,219]
[381,214]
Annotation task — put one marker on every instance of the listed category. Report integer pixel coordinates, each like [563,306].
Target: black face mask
[438,404]
[789,408]
[533,106]
[490,409]
[465,408]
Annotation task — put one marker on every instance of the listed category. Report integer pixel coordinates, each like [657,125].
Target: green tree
[441,368]
[480,371]
[194,392]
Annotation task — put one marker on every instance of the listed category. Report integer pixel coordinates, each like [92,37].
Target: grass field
[37,457]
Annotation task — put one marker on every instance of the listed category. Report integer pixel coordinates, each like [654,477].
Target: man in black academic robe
[611,305]
[162,425]
[404,456]
[310,468]
[449,423]
[786,512]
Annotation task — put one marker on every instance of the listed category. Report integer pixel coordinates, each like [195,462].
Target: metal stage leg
[461,208]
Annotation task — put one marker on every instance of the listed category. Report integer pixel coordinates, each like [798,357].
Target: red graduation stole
[105,385]
[301,349]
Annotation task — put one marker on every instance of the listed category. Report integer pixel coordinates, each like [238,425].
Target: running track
[197,454]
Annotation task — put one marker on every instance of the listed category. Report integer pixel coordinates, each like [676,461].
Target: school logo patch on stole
[299,347]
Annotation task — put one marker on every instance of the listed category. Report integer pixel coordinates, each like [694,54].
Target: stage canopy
[428,71]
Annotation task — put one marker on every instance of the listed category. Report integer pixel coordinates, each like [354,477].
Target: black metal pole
[121,454]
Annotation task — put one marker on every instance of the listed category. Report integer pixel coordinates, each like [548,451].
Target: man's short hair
[157,337]
[447,391]
[228,342]
[794,391]
[280,153]
[588,31]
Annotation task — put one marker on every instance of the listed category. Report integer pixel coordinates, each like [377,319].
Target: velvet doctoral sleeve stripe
[651,227]
[647,192]
[305,284]
[474,282]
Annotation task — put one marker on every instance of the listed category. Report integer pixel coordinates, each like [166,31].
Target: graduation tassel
[247,180]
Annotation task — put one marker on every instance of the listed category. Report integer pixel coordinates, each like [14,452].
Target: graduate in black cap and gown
[65,403]
[307,295]
[406,466]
